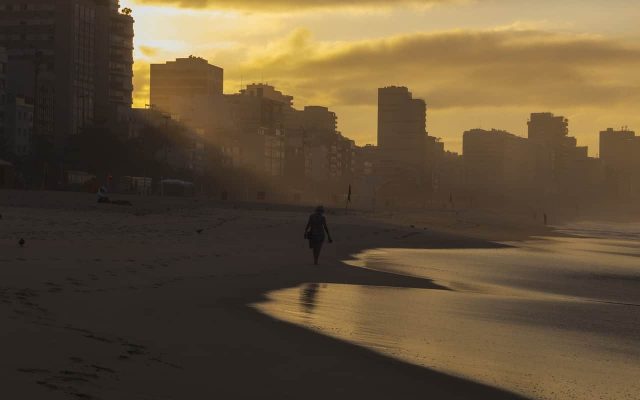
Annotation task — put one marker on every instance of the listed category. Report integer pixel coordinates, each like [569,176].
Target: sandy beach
[108,302]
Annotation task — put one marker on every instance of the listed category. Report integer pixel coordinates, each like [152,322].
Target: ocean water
[551,318]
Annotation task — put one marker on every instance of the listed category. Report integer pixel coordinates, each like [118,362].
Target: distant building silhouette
[319,121]
[317,152]
[302,152]
[4,134]
[331,154]
[114,64]
[558,159]
[256,140]
[190,90]
[496,162]
[401,127]
[620,154]
[366,160]
[184,80]
[73,57]
[617,147]
[268,92]
[407,155]
[547,128]
[186,148]
[448,176]
[19,122]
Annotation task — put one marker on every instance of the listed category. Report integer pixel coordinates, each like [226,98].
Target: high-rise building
[114,68]
[557,156]
[319,121]
[366,160]
[616,147]
[401,127]
[68,45]
[496,162]
[256,139]
[187,154]
[268,92]
[183,81]
[620,155]
[327,156]
[547,128]
[3,99]
[19,117]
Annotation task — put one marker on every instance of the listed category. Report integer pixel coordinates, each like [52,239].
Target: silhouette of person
[102,195]
[545,218]
[314,232]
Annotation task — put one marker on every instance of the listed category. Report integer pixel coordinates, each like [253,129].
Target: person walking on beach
[314,232]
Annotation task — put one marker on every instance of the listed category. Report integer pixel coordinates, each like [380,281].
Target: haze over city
[476,63]
[321,199]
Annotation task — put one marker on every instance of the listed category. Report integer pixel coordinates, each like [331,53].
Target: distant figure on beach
[103,198]
[102,195]
[545,218]
[314,232]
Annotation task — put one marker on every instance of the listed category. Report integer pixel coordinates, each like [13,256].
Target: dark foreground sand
[108,302]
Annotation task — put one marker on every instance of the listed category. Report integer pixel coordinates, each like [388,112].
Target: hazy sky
[477,63]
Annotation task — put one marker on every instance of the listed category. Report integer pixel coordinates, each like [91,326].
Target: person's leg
[317,247]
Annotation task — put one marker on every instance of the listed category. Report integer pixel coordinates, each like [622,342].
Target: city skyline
[481,84]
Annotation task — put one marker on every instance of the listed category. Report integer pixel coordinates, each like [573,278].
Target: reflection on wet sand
[538,319]
[308,297]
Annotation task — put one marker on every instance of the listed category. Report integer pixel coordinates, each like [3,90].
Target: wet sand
[554,318]
[108,302]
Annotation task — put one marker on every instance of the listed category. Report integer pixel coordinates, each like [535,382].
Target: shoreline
[93,312]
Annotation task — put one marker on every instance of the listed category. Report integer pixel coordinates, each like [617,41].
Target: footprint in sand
[33,370]
[74,282]
[75,376]
[98,338]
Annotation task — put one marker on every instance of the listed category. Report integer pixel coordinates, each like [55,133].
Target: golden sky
[477,63]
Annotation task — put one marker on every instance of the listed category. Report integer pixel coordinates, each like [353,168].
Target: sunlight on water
[552,319]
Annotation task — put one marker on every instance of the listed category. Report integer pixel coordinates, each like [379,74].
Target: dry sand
[109,302]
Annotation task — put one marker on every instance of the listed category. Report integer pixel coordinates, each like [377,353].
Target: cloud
[457,69]
[149,51]
[289,5]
